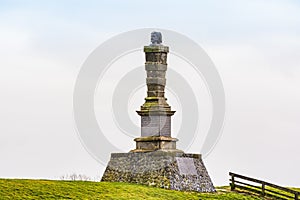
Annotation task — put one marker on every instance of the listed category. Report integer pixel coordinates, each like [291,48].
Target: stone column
[155,112]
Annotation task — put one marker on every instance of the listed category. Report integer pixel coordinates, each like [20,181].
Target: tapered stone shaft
[155,112]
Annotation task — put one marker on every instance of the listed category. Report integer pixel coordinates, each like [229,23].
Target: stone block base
[153,143]
[165,169]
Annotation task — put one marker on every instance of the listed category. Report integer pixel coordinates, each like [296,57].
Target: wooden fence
[261,187]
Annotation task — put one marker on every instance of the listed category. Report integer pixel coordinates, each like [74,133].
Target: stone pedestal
[170,170]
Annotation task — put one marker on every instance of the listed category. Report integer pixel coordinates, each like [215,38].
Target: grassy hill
[48,189]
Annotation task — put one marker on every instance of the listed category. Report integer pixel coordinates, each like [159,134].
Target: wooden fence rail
[261,187]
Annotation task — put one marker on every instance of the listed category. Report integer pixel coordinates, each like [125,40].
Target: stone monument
[156,161]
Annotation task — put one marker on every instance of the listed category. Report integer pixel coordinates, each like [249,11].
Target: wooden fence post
[296,196]
[263,189]
[232,182]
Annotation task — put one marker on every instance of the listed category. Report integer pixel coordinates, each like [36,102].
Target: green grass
[48,189]
[269,192]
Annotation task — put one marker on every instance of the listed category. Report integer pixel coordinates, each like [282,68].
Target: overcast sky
[254,44]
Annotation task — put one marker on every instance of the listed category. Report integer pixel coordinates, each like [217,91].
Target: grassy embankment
[47,189]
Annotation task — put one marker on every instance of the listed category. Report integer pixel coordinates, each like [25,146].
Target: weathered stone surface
[153,143]
[156,125]
[186,166]
[156,48]
[156,161]
[155,112]
[159,169]
[155,66]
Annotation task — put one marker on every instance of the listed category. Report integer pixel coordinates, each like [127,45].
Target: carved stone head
[156,38]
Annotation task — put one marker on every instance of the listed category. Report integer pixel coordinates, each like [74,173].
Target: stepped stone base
[154,143]
[173,170]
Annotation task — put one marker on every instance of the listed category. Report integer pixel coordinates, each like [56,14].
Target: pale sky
[254,44]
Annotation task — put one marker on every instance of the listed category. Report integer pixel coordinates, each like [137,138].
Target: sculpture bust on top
[156,38]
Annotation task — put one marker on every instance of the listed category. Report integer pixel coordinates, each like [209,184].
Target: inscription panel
[165,126]
[156,126]
[186,166]
[150,126]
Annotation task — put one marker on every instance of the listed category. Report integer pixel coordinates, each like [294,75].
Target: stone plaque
[165,126]
[186,166]
[156,126]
